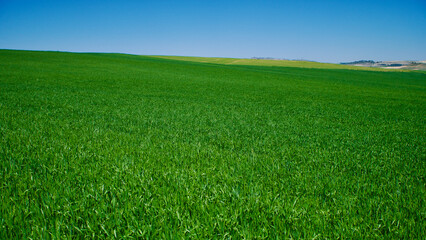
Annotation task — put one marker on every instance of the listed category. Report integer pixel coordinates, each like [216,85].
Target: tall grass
[122,146]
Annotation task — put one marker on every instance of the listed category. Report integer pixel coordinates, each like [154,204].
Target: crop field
[125,146]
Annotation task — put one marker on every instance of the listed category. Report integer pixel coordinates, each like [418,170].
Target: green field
[125,146]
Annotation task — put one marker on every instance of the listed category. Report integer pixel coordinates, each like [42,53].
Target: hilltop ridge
[408,65]
[273,62]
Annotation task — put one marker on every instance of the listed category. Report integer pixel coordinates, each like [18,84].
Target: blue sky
[322,30]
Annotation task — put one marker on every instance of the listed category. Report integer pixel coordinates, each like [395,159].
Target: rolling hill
[123,146]
[403,65]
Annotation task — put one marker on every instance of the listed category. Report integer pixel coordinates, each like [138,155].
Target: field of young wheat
[124,146]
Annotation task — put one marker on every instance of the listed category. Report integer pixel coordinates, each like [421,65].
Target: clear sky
[321,30]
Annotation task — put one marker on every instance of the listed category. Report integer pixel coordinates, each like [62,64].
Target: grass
[124,146]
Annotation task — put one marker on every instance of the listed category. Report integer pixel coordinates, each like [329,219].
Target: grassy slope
[121,145]
[275,63]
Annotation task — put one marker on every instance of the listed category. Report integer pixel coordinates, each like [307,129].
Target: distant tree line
[359,62]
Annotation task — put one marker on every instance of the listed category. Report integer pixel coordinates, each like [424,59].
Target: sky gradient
[322,30]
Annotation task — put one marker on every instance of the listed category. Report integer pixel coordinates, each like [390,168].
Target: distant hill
[359,62]
[272,62]
[409,65]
